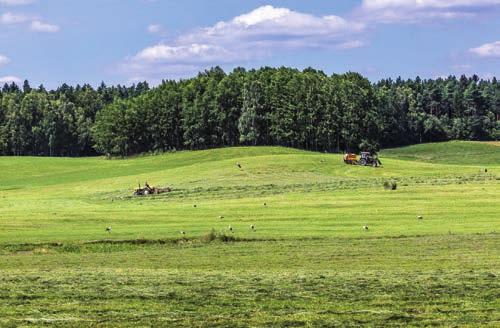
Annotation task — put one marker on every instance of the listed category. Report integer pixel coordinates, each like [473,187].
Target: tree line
[55,123]
[270,106]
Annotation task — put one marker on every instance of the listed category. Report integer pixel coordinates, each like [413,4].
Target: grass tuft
[390,185]
[219,236]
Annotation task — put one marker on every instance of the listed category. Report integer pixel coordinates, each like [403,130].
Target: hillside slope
[76,197]
[453,152]
[260,165]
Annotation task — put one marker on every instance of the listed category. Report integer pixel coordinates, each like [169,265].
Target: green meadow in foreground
[307,261]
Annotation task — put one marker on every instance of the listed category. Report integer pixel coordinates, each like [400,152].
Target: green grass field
[309,262]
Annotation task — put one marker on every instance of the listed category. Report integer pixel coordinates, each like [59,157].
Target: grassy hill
[454,152]
[307,262]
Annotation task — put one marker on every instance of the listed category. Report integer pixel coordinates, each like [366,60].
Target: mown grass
[130,298]
[422,280]
[307,262]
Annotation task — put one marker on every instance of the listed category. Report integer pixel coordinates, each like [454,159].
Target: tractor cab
[367,159]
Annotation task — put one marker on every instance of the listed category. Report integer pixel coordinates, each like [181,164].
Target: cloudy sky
[123,41]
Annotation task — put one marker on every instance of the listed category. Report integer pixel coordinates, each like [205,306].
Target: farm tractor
[364,159]
[148,190]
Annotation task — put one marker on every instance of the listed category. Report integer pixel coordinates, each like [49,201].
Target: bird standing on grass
[183,232]
[365,227]
[230,228]
[238,165]
[420,217]
[108,229]
[252,227]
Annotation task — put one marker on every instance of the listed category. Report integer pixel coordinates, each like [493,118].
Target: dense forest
[270,106]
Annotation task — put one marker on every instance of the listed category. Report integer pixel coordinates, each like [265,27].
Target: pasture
[191,257]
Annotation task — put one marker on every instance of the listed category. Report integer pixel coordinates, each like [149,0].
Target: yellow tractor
[351,159]
[365,159]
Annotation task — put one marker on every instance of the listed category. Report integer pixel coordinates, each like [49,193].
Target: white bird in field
[252,227]
[183,232]
[108,229]
[365,227]
[420,217]
[230,228]
[221,217]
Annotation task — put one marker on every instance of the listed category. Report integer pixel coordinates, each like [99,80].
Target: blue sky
[123,41]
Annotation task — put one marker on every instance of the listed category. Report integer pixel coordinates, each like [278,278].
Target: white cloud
[39,26]
[351,44]
[276,26]
[16,2]
[487,50]
[10,79]
[462,67]
[262,32]
[10,18]
[156,29]
[411,11]
[35,24]
[192,53]
[4,60]
[378,4]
